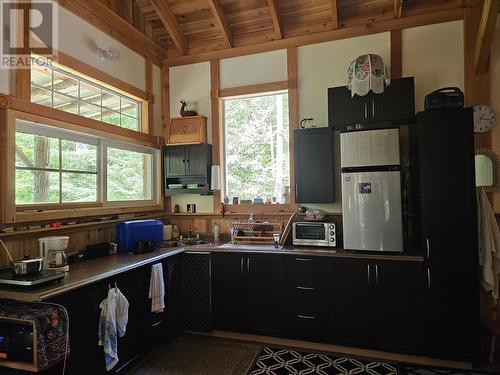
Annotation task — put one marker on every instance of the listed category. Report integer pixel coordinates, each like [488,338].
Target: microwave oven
[314,234]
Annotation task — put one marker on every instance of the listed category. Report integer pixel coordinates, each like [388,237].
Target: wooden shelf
[201,191]
[92,224]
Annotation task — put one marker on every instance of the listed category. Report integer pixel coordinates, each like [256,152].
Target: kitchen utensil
[286,231]
[25,266]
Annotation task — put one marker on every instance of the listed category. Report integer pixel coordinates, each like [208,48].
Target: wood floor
[404,358]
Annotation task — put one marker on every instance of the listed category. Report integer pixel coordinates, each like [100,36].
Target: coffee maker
[52,250]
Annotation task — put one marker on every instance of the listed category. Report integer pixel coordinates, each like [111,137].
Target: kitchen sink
[193,242]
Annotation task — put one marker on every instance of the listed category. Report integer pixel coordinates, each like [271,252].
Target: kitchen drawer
[307,272]
[307,326]
[307,301]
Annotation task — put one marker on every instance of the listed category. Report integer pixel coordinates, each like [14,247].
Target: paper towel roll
[167,232]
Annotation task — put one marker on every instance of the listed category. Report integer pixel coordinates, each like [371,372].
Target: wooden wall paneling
[7,163]
[396,54]
[165,117]
[112,24]
[293,110]
[168,20]
[335,14]
[485,35]
[274,10]
[221,20]
[23,84]
[253,89]
[149,93]
[325,36]
[477,86]
[216,124]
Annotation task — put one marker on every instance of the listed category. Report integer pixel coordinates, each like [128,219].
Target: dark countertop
[90,271]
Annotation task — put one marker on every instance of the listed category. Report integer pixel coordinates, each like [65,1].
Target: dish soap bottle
[175,232]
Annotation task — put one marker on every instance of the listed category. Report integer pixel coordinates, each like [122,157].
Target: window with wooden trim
[55,167]
[256,147]
[55,87]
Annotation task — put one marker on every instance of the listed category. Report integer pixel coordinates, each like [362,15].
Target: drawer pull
[156,324]
[305,288]
[304,259]
[306,317]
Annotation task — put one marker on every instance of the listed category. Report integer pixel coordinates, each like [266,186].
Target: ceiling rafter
[274,9]
[485,35]
[398,8]
[168,20]
[221,20]
[335,14]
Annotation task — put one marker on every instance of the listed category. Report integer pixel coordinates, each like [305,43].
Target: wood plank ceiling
[188,27]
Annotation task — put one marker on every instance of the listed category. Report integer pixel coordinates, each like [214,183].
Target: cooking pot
[26,266]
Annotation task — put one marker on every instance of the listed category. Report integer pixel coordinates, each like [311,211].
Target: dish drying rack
[254,233]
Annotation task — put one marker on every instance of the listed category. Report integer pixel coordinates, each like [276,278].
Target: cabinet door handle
[373,108]
[305,288]
[366,110]
[296,192]
[241,266]
[248,266]
[304,259]
[376,273]
[369,274]
[428,278]
[305,316]
[156,324]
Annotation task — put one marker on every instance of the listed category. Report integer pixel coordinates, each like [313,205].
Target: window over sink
[256,147]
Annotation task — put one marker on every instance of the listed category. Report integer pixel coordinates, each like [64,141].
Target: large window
[54,87]
[257,157]
[55,166]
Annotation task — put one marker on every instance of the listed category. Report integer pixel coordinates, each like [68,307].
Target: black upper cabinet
[396,104]
[314,166]
[444,164]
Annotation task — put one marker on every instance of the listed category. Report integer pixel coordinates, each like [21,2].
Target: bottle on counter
[175,232]
[216,233]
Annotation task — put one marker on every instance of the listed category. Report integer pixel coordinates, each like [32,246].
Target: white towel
[157,288]
[489,244]
[112,324]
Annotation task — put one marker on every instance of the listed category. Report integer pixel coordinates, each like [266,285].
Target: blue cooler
[139,235]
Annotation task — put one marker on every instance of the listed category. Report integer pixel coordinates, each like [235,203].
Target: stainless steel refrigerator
[371,190]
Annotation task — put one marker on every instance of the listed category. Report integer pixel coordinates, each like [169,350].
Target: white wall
[192,83]
[253,69]
[79,39]
[434,55]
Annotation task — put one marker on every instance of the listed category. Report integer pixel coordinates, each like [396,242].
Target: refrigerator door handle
[373,108]
[366,110]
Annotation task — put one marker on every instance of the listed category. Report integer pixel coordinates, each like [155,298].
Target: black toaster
[447,97]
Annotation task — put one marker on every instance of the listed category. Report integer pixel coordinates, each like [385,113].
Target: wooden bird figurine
[185,113]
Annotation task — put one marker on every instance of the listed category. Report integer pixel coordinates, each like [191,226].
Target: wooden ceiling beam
[320,37]
[103,18]
[168,20]
[274,9]
[485,35]
[398,8]
[335,14]
[221,20]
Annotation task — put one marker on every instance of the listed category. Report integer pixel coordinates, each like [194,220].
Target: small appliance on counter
[314,233]
[139,236]
[8,278]
[53,252]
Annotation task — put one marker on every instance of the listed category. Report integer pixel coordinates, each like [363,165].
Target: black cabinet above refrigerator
[396,104]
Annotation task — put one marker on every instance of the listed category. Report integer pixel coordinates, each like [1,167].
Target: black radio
[16,342]
[448,97]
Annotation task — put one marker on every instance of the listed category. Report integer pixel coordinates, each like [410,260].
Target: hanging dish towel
[157,288]
[112,324]
[489,244]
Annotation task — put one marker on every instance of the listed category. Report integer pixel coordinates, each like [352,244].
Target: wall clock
[484,118]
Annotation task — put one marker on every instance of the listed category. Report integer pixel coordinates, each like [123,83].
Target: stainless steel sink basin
[194,242]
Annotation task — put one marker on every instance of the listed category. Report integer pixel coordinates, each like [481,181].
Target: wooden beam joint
[168,20]
[221,20]
[485,35]
[274,9]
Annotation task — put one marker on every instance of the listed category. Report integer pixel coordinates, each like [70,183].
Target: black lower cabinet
[248,292]
[452,312]
[306,298]
[377,304]
[229,285]
[266,292]
[352,309]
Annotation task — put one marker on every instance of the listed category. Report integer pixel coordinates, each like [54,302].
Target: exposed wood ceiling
[192,27]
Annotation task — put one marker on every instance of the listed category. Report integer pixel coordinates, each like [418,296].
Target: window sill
[75,213]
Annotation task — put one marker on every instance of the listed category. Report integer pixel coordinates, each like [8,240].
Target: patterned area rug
[273,361]
[412,370]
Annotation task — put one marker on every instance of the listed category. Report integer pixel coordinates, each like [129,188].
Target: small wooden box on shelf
[188,130]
